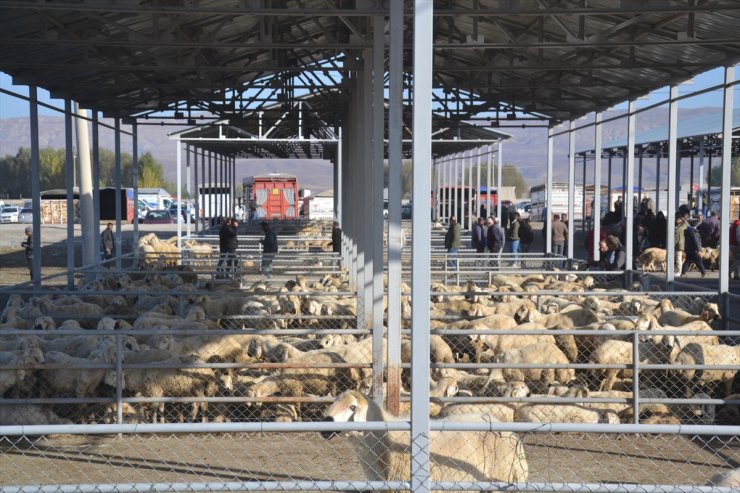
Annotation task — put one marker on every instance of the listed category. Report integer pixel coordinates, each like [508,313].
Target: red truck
[271,196]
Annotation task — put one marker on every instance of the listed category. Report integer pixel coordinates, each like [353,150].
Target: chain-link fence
[205,368]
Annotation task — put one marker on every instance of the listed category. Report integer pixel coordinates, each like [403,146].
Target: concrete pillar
[672,194]
[725,216]
[88,226]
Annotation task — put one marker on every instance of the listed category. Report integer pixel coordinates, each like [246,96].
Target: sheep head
[350,406]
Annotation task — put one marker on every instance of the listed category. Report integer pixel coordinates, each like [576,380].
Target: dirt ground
[572,458]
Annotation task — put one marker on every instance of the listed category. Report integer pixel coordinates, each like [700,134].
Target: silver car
[26,215]
[9,214]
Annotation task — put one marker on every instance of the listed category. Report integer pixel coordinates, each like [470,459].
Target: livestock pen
[263,362]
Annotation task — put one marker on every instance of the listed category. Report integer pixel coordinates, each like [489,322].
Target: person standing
[692,247]
[512,237]
[27,244]
[735,248]
[526,236]
[478,239]
[680,242]
[269,248]
[452,242]
[709,230]
[336,237]
[108,241]
[231,243]
[495,238]
[559,234]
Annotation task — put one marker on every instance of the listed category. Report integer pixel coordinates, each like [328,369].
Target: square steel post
[596,207]
[571,187]
[135,177]
[725,219]
[35,185]
[117,147]
[489,164]
[395,232]
[69,185]
[672,161]
[420,257]
[196,189]
[548,193]
[628,203]
[178,151]
[500,180]
[96,184]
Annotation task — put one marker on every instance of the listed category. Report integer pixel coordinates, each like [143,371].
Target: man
[692,247]
[478,240]
[108,241]
[336,237]
[680,241]
[709,230]
[269,249]
[452,241]
[27,244]
[559,234]
[735,248]
[512,237]
[526,237]
[231,242]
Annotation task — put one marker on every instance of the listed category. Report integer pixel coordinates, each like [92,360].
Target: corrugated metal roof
[559,60]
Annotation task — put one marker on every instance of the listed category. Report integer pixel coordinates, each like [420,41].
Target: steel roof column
[117,151]
[187,189]
[700,190]
[196,189]
[609,182]
[478,201]
[178,150]
[449,169]
[500,180]
[571,186]
[339,182]
[211,201]
[489,185]
[69,185]
[135,177]
[583,198]
[596,207]
[639,177]
[658,154]
[548,193]
[624,184]
[420,257]
[628,202]
[725,219]
[35,186]
[395,231]
[456,177]
[378,221]
[201,205]
[88,208]
[463,172]
[670,243]
[96,187]
[472,193]
[220,184]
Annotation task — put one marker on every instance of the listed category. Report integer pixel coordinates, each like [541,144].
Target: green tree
[52,166]
[716,180]
[151,173]
[512,178]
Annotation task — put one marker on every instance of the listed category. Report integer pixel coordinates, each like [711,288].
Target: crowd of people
[490,236]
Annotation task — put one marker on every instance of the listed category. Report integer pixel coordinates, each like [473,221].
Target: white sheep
[463,456]
[76,377]
[29,414]
[709,354]
[615,352]
[17,364]
[563,413]
[541,353]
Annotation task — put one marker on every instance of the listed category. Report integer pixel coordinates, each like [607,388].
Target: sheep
[651,258]
[563,413]
[86,313]
[439,352]
[385,456]
[616,352]
[76,377]
[541,378]
[444,387]
[229,347]
[29,414]
[707,354]
[726,479]
[710,257]
[78,346]
[676,342]
[17,364]
[170,381]
[678,317]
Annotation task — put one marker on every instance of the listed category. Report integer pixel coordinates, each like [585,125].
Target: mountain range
[527,148]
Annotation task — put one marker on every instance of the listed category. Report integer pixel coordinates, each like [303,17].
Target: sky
[12,107]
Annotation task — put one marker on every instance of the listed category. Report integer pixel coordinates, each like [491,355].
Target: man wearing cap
[269,249]
[28,245]
[108,241]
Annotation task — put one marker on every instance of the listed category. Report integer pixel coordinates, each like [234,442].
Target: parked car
[9,214]
[187,210]
[26,215]
[406,211]
[158,216]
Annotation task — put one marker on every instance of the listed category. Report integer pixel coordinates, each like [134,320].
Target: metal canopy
[555,59]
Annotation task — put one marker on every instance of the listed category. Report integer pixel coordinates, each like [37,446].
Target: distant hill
[15,133]
[527,149]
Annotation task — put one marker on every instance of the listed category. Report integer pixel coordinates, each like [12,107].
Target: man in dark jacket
[27,245]
[269,249]
[336,238]
[692,247]
[478,240]
[709,231]
[228,242]
[108,241]
[452,241]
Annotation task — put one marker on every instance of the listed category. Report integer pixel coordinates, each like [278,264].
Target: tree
[151,173]
[512,177]
[717,175]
